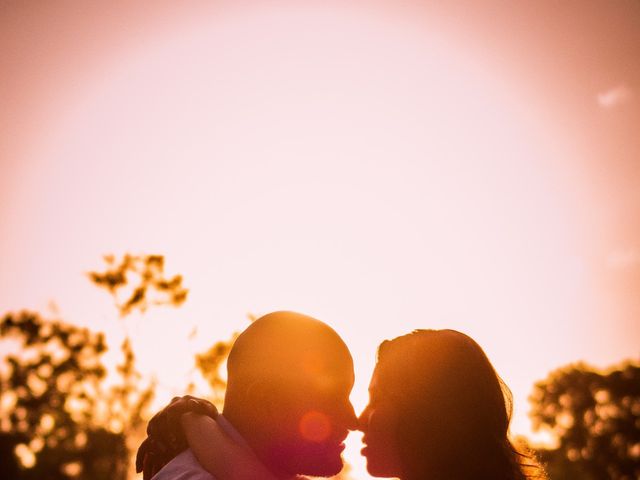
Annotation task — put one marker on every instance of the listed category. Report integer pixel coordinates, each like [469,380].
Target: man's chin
[328,468]
[326,465]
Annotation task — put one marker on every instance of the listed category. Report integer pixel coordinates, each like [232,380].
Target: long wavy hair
[453,408]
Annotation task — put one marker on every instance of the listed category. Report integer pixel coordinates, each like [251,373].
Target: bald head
[286,347]
[288,385]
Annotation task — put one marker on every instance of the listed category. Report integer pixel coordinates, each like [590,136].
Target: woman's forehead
[374,384]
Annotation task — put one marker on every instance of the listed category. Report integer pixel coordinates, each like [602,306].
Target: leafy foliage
[596,418]
[151,286]
[128,400]
[58,417]
[49,393]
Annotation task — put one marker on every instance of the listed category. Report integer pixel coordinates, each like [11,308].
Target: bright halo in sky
[366,170]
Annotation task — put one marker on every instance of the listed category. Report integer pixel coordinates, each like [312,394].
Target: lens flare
[315,426]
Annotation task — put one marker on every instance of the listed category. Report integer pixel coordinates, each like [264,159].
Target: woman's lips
[365,448]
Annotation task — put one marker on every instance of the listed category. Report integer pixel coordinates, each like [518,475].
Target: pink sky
[473,166]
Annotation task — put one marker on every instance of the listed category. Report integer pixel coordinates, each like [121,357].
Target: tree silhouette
[50,386]
[596,418]
[58,419]
[137,281]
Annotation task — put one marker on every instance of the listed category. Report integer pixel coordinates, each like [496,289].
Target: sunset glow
[379,168]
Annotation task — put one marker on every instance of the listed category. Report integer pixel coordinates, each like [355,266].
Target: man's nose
[363,420]
[350,418]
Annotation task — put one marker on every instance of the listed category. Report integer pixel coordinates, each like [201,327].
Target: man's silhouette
[289,377]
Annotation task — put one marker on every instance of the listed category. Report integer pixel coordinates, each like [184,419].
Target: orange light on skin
[312,364]
[315,426]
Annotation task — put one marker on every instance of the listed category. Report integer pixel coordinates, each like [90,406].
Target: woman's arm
[165,438]
[218,453]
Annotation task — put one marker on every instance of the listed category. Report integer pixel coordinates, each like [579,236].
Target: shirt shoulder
[184,466]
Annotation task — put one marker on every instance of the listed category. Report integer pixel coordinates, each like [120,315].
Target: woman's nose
[363,419]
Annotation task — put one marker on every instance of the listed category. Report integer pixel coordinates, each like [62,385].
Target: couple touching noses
[437,410]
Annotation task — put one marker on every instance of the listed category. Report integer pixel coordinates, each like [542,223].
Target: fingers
[187,404]
[177,409]
[140,455]
[165,436]
[164,421]
[208,409]
[154,458]
[147,471]
[157,423]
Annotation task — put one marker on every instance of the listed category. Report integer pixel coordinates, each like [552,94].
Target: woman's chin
[374,468]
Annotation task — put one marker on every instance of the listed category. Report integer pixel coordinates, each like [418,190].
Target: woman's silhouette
[438,410]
